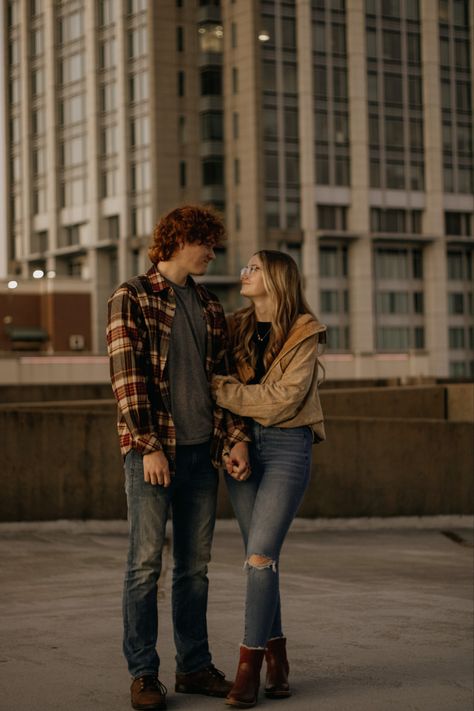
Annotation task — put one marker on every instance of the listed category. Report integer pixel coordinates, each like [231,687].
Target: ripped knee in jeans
[260,562]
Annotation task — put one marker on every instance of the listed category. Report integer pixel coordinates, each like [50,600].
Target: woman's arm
[274,401]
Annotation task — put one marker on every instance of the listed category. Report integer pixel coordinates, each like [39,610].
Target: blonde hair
[282,281]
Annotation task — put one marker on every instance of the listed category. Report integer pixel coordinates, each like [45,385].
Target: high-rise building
[339,131]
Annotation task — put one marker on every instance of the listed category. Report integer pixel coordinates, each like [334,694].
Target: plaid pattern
[141,313]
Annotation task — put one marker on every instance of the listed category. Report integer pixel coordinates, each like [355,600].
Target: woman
[275,347]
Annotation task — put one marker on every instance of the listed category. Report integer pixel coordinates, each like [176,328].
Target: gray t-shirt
[191,402]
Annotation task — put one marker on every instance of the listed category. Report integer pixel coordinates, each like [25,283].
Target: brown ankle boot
[244,693]
[276,685]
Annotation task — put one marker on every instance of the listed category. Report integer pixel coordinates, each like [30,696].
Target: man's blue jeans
[193,497]
[265,505]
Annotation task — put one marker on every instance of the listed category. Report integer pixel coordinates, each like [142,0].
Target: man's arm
[128,374]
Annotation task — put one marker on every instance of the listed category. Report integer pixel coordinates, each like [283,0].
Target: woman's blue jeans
[193,497]
[265,505]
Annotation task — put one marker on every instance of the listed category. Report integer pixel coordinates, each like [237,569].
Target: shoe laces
[152,682]
[216,673]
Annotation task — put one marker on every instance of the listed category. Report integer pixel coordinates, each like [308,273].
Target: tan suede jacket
[287,395]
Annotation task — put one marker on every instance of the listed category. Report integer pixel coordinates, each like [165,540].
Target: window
[179,39]
[271,169]
[393,338]
[107,57]
[395,175]
[137,42]
[292,170]
[340,83]
[456,338]
[36,44]
[181,83]
[235,80]
[456,302]
[106,12]
[394,132]
[393,93]
[211,81]
[272,213]
[38,122]
[108,97]
[235,124]
[71,27]
[213,171]
[182,174]
[211,38]
[270,123]
[392,302]
[288,33]
[212,126]
[392,263]
[458,223]
[140,131]
[72,110]
[140,176]
[72,68]
[236,171]
[392,46]
[332,217]
[138,85]
[332,261]
[329,301]
[269,77]
[37,82]
[338,39]
[290,78]
[73,151]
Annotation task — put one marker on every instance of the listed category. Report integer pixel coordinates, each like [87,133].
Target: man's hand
[156,469]
[237,462]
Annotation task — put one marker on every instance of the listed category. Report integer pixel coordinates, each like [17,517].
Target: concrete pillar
[434,263]
[360,252]
[310,250]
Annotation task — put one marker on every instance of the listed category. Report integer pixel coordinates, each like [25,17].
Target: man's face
[194,257]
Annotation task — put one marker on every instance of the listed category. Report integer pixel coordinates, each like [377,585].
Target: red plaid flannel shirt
[141,313]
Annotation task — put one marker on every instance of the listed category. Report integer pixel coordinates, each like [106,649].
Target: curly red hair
[189,223]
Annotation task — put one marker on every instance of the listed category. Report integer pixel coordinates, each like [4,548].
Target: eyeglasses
[247,271]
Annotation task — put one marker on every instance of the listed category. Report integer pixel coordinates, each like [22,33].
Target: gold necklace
[262,338]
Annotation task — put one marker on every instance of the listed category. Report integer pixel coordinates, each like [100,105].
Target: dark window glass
[212,126]
[211,81]
[393,92]
[288,31]
[181,83]
[213,171]
[392,45]
[320,82]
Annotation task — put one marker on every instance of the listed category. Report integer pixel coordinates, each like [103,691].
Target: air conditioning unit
[76,342]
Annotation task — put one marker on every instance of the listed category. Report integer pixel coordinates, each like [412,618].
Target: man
[166,337]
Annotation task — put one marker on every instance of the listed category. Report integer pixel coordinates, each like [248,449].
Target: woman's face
[251,278]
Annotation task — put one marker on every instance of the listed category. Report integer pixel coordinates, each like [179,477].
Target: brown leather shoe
[276,685]
[244,693]
[148,693]
[208,681]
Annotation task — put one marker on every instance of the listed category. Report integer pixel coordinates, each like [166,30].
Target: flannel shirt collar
[159,283]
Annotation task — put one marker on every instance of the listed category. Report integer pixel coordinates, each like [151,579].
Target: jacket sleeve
[127,359]
[272,402]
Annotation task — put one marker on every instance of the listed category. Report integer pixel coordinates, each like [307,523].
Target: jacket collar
[159,283]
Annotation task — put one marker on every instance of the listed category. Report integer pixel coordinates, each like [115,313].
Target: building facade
[339,131]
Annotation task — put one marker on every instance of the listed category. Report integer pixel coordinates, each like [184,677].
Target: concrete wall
[61,459]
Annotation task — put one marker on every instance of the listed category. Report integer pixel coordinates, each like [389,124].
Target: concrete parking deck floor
[377,617]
